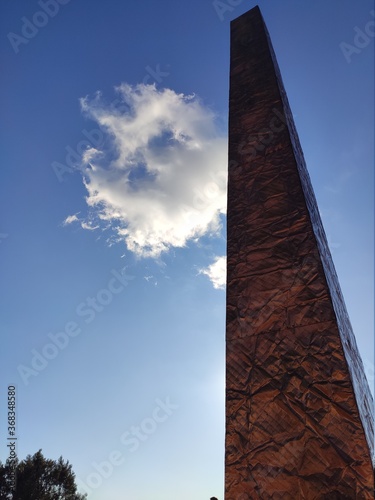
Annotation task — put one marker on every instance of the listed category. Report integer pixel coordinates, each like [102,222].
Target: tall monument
[299,413]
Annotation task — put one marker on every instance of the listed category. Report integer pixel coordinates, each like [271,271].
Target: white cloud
[88,226]
[89,155]
[217,272]
[70,219]
[84,224]
[161,180]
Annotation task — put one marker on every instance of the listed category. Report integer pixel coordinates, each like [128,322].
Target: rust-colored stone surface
[299,413]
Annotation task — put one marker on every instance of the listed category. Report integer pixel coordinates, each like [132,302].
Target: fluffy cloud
[160,179]
[217,272]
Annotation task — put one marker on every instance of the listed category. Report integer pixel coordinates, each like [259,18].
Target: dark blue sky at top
[95,45]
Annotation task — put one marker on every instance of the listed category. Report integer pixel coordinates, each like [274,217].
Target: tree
[38,478]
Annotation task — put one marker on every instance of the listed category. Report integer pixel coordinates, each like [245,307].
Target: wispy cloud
[217,272]
[160,180]
[88,226]
[83,223]
[70,219]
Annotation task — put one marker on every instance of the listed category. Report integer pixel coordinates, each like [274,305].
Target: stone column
[299,413]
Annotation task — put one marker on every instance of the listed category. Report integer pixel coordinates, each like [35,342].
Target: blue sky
[113,210]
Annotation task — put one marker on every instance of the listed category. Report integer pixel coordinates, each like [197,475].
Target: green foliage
[38,478]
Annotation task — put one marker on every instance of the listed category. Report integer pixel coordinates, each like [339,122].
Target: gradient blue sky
[151,357]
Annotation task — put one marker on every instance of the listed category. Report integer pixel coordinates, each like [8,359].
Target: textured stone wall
[299,421]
